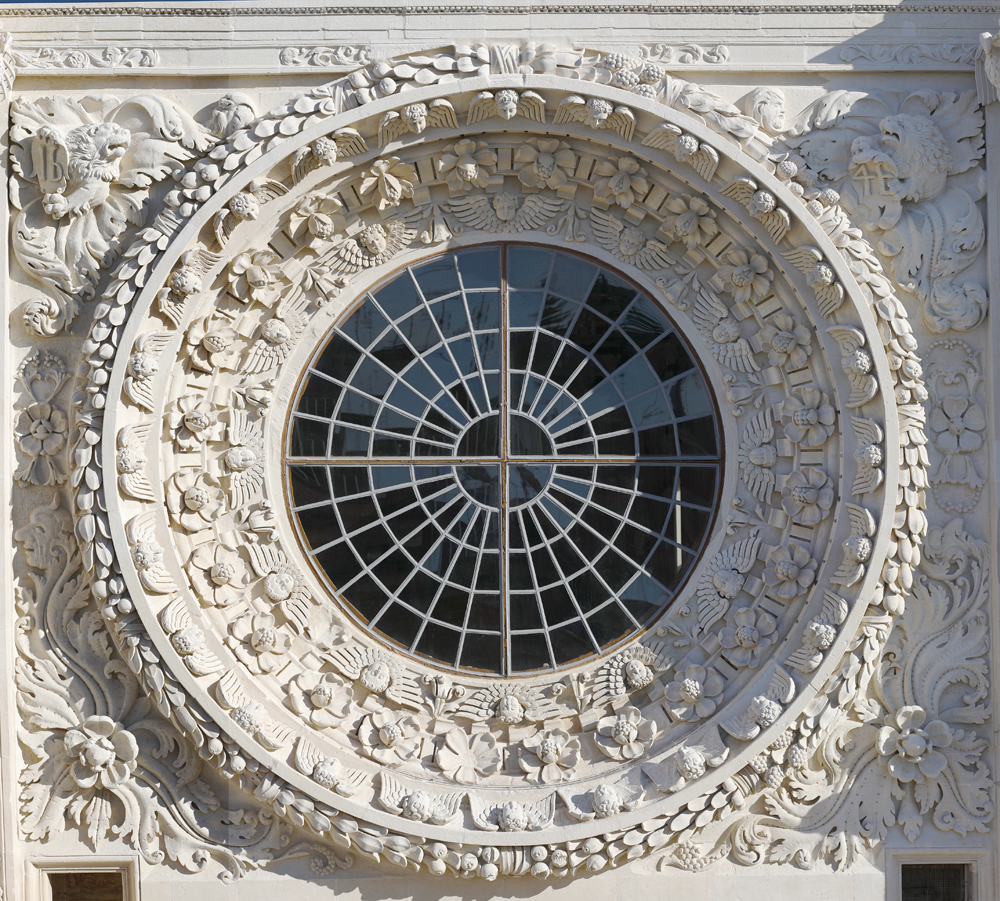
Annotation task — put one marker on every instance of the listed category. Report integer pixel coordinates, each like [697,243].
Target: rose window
[504,460]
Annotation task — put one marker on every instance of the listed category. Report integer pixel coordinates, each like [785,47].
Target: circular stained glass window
[504,460]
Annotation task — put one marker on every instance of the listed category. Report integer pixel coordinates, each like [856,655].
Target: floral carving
[253,276]
[545,163]
[217,573]
[746,274]
[789,572]
[321,699]
[315,218]
[788,344]
[41,436]
[464,758]
[389,737]
[691,220]
[626,735]
[748,636]
[550,756]
[808,417]
[103,754]
[209,343]
[958,424]
[692,695]
[194,499]
[467,164]
[194,421]
[389,181]
[257,642]
[908,745]
[622,183]
[808,495]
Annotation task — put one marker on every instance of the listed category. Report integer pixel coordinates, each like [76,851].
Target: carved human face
[376,676]
[509,709]
[240,458]
[274,331]
[728,583]
[415,117]
[505,206]
[142,365]
[727,331]
[417,806]
[373,239]
[637,674]
[244,206]
[631,241]
[506,102]
[278,586]
[764,455]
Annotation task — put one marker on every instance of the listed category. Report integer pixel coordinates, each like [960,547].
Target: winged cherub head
[637,674]
[415,117]
[727,331]
[417,806]
[631,241]
[505,206]
[374,238]
[506,102]
[509,709]
[763,455]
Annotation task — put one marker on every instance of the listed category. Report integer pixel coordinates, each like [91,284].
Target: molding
[979,862]
[38,888]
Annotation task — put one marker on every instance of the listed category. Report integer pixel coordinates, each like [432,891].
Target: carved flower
[747,275]
[391,180]
[907,745]
[692,695]
[193,421]
[194,499]
[790,571]
[808,495]
[316,216]
[101,753]
[257,642]
[41,434]
[467,163]
[549,757]
[546,163]
[217,573]
[625,736]
[787,343]
[253,275]
[808,417]
[388,738]
[748,636]
[622,182]
[465,758]
[957,424]
[321,699]
[209,342]
[692,221]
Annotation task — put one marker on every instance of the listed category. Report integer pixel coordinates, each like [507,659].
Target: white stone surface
[850,152]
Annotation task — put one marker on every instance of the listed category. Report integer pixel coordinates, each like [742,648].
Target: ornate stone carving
[343,55]
[41,430]
[86,58]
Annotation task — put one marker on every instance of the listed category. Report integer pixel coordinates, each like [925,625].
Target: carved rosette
[192,370]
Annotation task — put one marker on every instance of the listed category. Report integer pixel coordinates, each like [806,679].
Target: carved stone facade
[790,691]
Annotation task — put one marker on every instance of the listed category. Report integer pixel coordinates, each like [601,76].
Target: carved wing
[441,114]
[391,792]
[867,430]
[580,807]
[390,128]
[805,659]
[804,258]
[663,137]
[401,234]
[244,484]
[741,726]
[136,484]
[266,189]
[534,213]
[777,224]
[532,106]
[607,230]
[868,477]
[446,807]
[537,707]
[242,429]
[305,161]
[705,161]
[176,616]
[349,142]
[834,610]
[622,120]
[483,106]
[571,109]
[741,189]
[225,222]
[201,260]
[482,813]
[351,659]
[349,256]
[759,479]
[265,558]
[862,522]
[540,813]
[141,530]
[404,690]
[479,706]
[781,688]
[712,605]
[740,555]
[653,255]
[609,680]
[229,691]
[476,211]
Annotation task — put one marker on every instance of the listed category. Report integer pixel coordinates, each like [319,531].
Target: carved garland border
[94,533]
